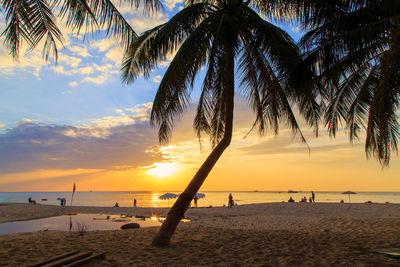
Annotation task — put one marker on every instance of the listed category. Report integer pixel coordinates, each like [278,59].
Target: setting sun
[162,169]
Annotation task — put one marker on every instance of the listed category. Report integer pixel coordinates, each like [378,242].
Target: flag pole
[73,192]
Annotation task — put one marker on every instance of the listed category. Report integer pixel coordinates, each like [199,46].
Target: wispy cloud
[73,84]
[73,62]
[171,4]
[157,79]
[79,50]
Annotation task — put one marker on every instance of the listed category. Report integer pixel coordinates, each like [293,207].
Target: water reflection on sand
[91,222]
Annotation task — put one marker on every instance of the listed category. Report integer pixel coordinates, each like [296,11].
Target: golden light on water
[162,169]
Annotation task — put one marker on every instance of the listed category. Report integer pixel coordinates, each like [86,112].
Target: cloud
[30,62]
[296,29]
[136,114]
[70,72]
[171,4]
[42,174]
[115,54]
[73,62]
[32,146]
[78,50]
[73,84]
[157,79]
[143,23]
[104,72]
[24,121]
[103,45]
[99,80]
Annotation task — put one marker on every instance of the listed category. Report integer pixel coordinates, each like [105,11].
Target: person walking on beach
[230,201]
[313,196]
[134,202]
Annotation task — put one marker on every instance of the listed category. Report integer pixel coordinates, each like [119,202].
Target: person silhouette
[230,201]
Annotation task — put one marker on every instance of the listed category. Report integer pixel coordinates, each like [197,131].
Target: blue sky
[75,121]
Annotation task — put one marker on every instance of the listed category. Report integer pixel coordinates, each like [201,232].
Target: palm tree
[217,35]
[356,44]
[33,21]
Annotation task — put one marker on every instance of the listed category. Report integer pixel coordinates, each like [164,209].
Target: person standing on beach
[230,200]
[195,200]
[134,202]
[313,196]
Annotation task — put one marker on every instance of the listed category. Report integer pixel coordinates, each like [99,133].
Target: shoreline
[269,234]
[10,212]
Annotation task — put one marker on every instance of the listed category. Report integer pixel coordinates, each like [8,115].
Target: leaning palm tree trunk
[178,210]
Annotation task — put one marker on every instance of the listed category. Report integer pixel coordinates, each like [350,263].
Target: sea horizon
[212,198]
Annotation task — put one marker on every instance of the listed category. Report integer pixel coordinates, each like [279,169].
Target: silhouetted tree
[356,46]
[216,35]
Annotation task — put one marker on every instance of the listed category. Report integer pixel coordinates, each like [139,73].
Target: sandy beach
[272,234]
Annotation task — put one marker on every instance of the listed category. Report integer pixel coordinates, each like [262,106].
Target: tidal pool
[91,222]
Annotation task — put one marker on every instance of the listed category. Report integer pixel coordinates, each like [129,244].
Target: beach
[271,234]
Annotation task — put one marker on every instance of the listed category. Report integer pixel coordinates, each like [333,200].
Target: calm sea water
[151,199]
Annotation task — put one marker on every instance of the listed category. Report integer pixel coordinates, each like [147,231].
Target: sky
[75,121]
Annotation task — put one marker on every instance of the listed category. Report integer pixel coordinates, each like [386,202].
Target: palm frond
[133,64]
[143,54]
[16,30]
[358,112]
[172,94]
[383,130]
[43,24]
[344,97]
[76,14]
[275,101]
[284,66]
[31,21]
[113,21]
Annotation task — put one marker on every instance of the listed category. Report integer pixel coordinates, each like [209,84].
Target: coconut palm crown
[37,21]
[356,44]
[217,35]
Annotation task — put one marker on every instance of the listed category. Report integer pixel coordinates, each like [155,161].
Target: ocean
[212,198]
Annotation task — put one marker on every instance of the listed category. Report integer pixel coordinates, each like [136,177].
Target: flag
[73,192]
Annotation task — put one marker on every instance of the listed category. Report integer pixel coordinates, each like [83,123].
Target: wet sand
[273,234]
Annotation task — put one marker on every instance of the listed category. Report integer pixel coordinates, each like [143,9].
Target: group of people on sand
[304,199]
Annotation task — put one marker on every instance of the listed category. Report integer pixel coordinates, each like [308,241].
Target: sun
[162,169]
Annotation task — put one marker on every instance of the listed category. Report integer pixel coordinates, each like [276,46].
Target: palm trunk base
[175,215]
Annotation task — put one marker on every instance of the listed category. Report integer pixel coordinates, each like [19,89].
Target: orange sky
[268,163]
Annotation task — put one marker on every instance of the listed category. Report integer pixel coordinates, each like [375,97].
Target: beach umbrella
[349,193]
[168,196]
[199,195]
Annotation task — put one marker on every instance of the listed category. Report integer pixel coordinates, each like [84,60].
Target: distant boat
[292,192]
[44,199]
